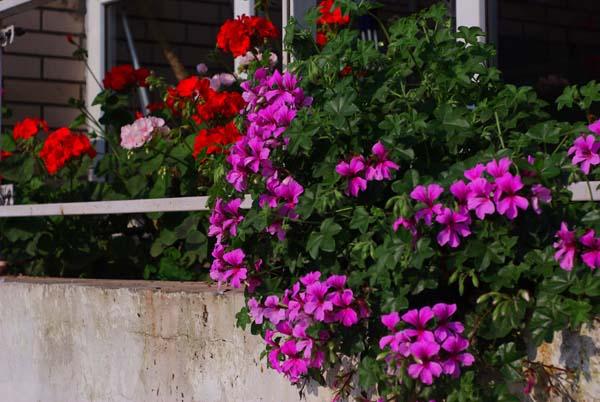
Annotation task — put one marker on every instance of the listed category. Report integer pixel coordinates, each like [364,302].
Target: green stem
[589,186]
[499,130]
[560,144]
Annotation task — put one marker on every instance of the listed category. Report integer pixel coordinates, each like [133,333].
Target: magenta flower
[566,247]
[475,172]
[479,198]
[294,366]
[507,200]
[445,328]
[354,172]
[272,311]
[346,315]
[427,195]
[460,191]
[310,278]
[224,218]
[595,127]
[398,342]
[276,229]
[256,311]
[455,226]
[540,194]
[591,257]
[408,224]
[419,319]
[426,367]
[289,190]
[235,271]
[530,383]
[258,155]
[317,303]
[455,346]
[390,320]
[498,168]
[585,150]
[380,169]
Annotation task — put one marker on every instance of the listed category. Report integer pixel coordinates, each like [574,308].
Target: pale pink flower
[141,131]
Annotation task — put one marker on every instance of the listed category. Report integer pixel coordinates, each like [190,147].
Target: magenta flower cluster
[272,104]
[292,347]
[568,248]
[490,189]
[360,170]
[585,149]
[427,341]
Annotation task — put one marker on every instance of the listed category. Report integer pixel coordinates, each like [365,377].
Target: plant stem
[499,130]
[589,186]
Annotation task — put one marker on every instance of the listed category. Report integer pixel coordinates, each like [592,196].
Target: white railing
[582,191]
[179,204]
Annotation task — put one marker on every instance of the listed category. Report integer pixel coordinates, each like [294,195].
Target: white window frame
[471,13]
[95,31]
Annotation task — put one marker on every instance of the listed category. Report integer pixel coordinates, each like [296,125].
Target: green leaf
[360,219]
[196,237]
[136,185]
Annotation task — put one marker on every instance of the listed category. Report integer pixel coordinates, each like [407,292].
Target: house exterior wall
[40,73]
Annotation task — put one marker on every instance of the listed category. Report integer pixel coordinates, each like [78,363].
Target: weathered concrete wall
[117,341]
[579,352]
[72,341]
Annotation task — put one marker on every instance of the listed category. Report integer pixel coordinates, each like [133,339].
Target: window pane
[187,27]
[549,43]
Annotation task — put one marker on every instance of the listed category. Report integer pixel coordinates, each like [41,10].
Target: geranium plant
[410,235]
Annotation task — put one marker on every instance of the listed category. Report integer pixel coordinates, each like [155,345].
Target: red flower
[29,127]
[329,17]
[346,71]
[220,104]
[124,77]
[241,34]
[193,87]
[154,107]
[214,140]
[63,145]
[5,154]
[321,39]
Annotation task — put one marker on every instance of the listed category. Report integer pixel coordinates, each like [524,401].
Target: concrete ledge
[72,340]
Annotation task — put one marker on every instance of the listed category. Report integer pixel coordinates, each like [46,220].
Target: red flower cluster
[63,145]
[124,77]
[213,140]
[5,154]
[224,105]
[243,33]
[209,107]
[28,128]
[209,104]
[331,20]
[187,90]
